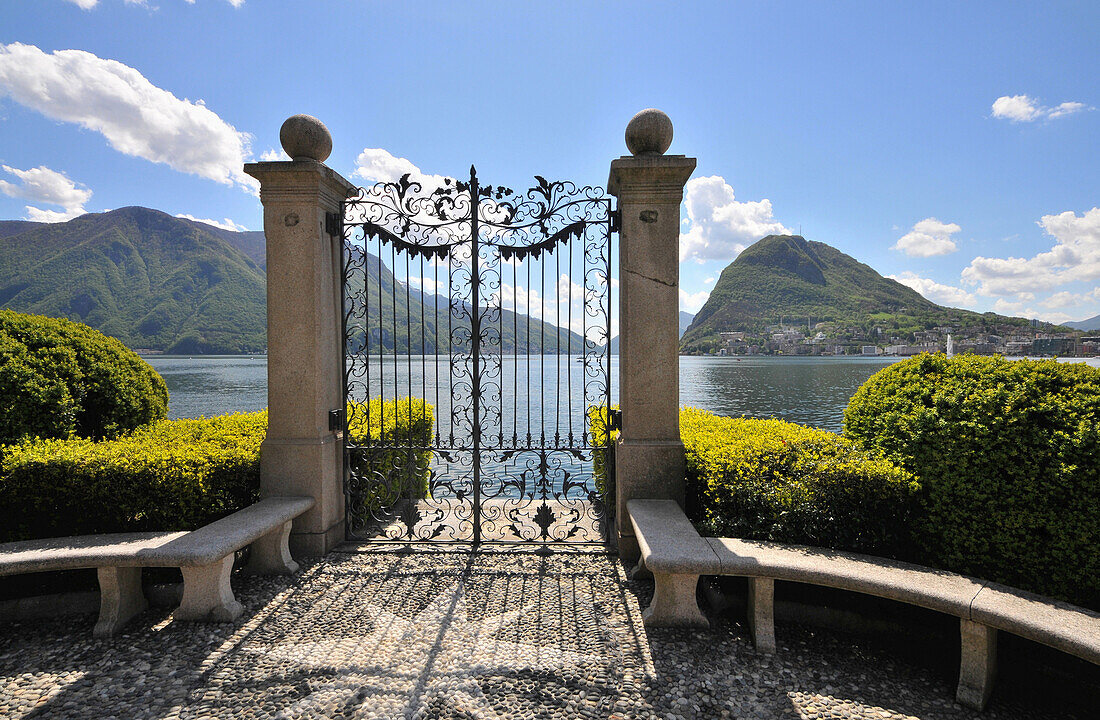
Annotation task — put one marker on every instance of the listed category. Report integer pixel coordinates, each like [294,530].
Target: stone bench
[204,556]
[676,556]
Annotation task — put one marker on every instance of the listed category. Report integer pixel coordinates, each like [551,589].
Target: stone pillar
[649,455]
[301,455]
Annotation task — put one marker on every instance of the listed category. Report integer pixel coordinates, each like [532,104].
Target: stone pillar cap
[649,133]
[304,137]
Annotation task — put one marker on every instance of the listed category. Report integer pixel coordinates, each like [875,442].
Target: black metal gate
[477,335]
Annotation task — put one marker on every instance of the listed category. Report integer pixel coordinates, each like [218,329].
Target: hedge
[181,474]
[392,454]
[779,481]
[174,475]
[1008,454]
[61,379]
[775,480]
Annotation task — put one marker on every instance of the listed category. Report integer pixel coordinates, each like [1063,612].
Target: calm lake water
[812,391]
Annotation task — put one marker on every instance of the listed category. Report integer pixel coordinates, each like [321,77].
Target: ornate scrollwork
[501,464]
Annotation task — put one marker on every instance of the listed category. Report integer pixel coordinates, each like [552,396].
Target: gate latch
[616,420]
[334,224]
[335,420]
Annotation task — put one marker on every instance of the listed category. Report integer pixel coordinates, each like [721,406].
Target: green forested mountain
[424,324]
[787,277]
[14,227]
[151,280]
[165,283]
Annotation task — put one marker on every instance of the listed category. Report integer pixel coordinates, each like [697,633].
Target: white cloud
[43,185]
[273,155]
[709,281]
[936,292]
[378,165]
[136,117]
[929,237]
[1074,257]
[1064,299]
[89,4]
[720,227]
[225,224]
[1022,309]
[1066,108]
[1017,108]
[691,302]
[52,216]
[1022,108]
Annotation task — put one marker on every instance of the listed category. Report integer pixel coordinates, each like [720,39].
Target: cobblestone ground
[453,635]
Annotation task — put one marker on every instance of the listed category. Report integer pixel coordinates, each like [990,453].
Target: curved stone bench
[676,555]
[204,556]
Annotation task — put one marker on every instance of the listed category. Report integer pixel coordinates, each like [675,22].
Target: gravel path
[452,635]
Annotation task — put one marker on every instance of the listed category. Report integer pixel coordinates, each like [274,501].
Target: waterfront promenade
[375,633]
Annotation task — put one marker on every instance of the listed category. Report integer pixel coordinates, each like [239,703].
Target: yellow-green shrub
[1008,454]
[775,480]
[390,455]
[603,457]
[173,475]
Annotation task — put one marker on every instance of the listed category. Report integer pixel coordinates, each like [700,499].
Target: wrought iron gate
[471,381]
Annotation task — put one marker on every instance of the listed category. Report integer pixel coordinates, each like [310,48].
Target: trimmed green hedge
[182,474]
[603,439]
[399,470]
[1008,454]
[60,379]
[174,475]
[779,481]
[775,480]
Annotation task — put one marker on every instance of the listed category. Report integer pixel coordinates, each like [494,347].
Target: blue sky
[953,146]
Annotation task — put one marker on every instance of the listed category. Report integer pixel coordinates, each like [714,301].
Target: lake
[809,390]
[813,391]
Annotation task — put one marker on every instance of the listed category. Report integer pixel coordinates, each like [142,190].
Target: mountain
[160,282]
[14,227]
[151,280]
[786,277]
[1093,323]
[250,242]
[685,321]
[421,321]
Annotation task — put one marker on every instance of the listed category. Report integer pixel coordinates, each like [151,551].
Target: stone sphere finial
[649,133]
[304,137]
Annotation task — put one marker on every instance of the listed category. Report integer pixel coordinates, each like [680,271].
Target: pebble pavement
[446,634]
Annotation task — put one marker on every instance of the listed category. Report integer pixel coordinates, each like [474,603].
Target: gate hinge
[334,224]
[616,420]
[335,420]
[616,218]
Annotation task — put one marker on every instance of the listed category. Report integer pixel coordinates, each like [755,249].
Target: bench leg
[271,553]
[977,665]
[120,598]
[207,594]
[762,613]
[674,603]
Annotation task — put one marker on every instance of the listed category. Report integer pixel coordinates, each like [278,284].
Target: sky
[952,146]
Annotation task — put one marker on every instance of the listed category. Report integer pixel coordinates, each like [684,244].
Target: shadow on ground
[447,634]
